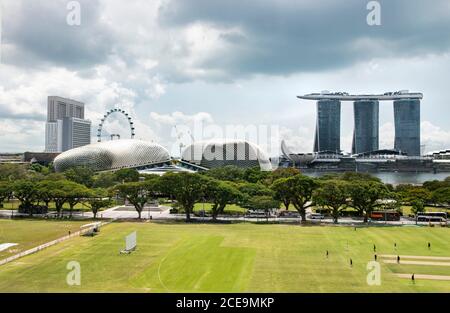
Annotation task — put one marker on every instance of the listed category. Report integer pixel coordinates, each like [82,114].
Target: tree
[281,172]
[45,192]
[127,175]
[254,189]
[137,193]
[355,176]
[300,190]
[104,180]
[75,195]
[98,199]
[262,203]
[81,175]
[366,195]
[27,193]
[220,194]
[12,172]
[5,192]
[282,194]
[332,194]
[255,175]
[186,188]
[417,206]
[228,173]
[63,191]
[441,196]
[436,184]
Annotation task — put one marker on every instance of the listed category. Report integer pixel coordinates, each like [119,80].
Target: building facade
[365,134]
[407,126]
[226,152]
[328,126]
[66,127]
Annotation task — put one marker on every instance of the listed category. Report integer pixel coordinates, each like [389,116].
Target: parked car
[289,214]
[316,216]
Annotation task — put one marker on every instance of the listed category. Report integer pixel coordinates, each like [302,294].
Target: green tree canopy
[281,172]
[221,193]
[366,196]
[81,175]
[5,192]
[137,193]
[12,172]
[127,175]
[186,188]
[262,203]
[26,192]
[332,194]
[98,198]
[355,176]
[299,189]
[228,173]
[441,196]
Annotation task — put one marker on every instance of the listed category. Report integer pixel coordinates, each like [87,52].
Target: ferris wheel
[108,114]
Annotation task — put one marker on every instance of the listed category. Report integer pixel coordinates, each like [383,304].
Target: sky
[198,69]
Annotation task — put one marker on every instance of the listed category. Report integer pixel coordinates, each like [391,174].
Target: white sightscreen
[131,241]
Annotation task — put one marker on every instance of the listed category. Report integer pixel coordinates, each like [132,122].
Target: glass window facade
[328,127]
[365,135]
[407,126]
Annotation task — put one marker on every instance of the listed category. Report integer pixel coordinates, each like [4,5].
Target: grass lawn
[30,233]
[178,257]
[229,209]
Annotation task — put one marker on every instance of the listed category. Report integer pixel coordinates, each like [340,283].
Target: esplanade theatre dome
[223,152]
[113,155]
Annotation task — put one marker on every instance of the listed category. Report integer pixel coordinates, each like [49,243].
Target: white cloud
[434,137]
[176,118]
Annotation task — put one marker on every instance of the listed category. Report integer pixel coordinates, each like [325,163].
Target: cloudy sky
[219,64]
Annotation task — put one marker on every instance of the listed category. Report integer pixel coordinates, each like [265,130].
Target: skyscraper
[365,135]
[328,126]
[66,127]
[407,126]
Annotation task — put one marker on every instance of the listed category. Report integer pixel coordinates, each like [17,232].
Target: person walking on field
[398,259]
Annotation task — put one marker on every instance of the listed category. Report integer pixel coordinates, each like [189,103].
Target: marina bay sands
[366,117]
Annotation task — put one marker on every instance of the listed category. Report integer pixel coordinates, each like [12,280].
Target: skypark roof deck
[343,96]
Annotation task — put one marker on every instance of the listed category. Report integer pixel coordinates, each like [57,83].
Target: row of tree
[249,188]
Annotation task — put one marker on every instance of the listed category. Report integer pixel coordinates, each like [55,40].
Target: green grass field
[177,257]
[31,233]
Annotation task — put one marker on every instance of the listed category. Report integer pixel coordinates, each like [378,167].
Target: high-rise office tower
[365,134]
[328,126]
[407,126]
[66,127]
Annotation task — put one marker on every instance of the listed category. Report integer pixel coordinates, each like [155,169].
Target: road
[163,213]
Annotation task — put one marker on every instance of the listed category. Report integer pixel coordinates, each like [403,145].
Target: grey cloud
[284,37]
[5,113]
[40,32]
